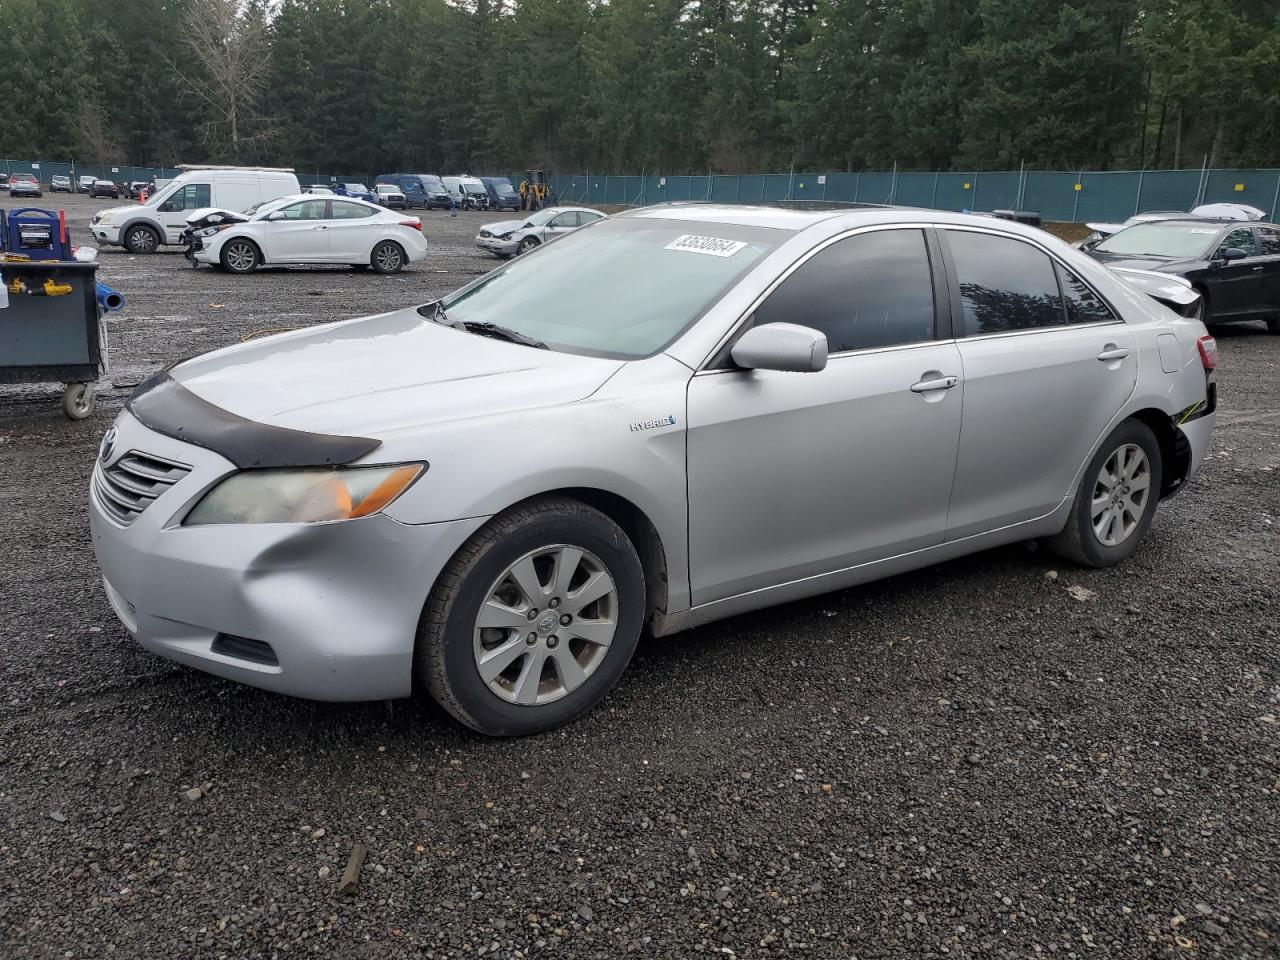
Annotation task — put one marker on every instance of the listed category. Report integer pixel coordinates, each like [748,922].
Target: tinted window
[191,197]
[1083,305]
[872,290]
[1004,284]
[350,211]
[1269,239]
[1241,237]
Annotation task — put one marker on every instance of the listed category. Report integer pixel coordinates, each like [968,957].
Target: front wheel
[388,257]
[141,240]
[1116,501]
[533,620]
[239,256]
[527,244]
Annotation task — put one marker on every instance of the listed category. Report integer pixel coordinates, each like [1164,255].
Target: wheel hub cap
[1121,495]
[545,625]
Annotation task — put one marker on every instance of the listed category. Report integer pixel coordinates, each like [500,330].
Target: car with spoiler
[305,229]
[679,414]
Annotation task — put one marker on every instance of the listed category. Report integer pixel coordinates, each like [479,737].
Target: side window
[565,220]
[350,211]
[584,218]
[305,210]
[1083,305]
[1005,284]
[193,196]
[1269,240]
[871,290]
[1241,237]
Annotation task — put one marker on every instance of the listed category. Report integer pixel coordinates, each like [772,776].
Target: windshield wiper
[485,329]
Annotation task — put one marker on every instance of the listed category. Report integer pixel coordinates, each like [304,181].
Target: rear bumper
[336,603]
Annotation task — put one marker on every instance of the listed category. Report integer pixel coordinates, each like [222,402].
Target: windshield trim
[427,309]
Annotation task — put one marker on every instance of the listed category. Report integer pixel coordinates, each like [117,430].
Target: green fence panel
[875,187]
[996,191]
[1164,190]
[1257,188]
[954,191]
[1051,194]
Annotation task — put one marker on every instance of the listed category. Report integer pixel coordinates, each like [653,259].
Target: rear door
[1047,365]
[1236,287]
[353,230]
[1269,260]
[301,236]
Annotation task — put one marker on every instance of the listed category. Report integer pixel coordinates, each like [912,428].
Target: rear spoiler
[1176,293]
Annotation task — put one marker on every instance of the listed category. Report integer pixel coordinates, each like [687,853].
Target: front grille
[133,482]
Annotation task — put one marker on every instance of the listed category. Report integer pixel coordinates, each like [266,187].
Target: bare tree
[96,140]
[230,49]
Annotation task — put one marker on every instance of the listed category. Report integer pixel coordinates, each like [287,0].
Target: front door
[1235,286]
[1269,260]
[1047,365]
[797,474]
[179,205]
[301,235]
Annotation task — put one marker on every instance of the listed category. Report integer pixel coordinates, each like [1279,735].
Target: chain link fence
[1055,195]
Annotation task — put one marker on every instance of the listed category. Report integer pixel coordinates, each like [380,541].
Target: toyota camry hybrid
[664,418]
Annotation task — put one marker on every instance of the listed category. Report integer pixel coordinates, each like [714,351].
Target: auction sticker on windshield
[711,246]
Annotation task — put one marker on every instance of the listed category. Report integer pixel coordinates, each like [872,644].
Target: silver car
[510,237]
[668,417]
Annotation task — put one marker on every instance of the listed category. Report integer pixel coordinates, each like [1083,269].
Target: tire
[1080,541]
[450,642]
[1273,325]
[141,239]
[527,244]
[387,257]
[240,256]
[79,400]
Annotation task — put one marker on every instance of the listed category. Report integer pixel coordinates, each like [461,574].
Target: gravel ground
[996,757]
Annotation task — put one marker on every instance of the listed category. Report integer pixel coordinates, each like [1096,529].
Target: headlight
[303,496]
[504,236]
[210,231]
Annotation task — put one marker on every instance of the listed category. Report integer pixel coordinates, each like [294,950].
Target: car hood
[380,375]
[503,226]
[206,216]
[1124,262]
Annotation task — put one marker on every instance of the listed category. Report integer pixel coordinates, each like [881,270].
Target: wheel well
[639,530]
[1175,451]
[262,257]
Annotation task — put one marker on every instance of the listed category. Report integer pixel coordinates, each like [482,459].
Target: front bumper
[503,248]
[337,603]
[105,233]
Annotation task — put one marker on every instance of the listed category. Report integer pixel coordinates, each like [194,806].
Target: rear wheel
[239,256]
[388,257]
[1116,500]
[533,620]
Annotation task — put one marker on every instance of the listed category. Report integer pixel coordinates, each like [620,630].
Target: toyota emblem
[108,444]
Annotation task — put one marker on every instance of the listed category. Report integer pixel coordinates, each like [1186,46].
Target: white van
[141,228]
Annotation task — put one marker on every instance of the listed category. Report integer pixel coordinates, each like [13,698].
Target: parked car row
[430,192]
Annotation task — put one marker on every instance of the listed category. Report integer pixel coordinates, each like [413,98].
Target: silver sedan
[510,237]
[668,417]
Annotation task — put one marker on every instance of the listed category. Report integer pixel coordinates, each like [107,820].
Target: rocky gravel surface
[1001,756]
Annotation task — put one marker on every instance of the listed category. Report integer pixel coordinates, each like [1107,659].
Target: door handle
[1113,353]
[1259,268]
[320,228]
[941,383]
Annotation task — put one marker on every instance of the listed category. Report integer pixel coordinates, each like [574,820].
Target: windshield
[541,217]
[503,187]
[619,288]
[1182,241]
[473,188]
[433,183]
[356,188]
[158,196]
[386,188]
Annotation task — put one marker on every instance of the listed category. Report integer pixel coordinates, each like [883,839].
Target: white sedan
[307,229]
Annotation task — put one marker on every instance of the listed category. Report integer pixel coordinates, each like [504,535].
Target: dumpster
[51,329]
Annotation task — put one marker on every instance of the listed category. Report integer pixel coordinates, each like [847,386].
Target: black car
[1235,266]
[104,188]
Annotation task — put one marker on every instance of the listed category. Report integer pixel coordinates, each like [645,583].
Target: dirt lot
[997,757]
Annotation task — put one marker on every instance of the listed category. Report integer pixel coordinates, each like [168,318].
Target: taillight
[1208,352]
[416,224]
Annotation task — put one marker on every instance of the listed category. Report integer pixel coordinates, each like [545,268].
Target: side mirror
[275,215]
[167,207]
[781,346]
[1234,253]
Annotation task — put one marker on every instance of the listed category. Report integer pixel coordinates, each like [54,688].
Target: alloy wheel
[241,257]
[1121,494]
[388,258]
[545,625]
